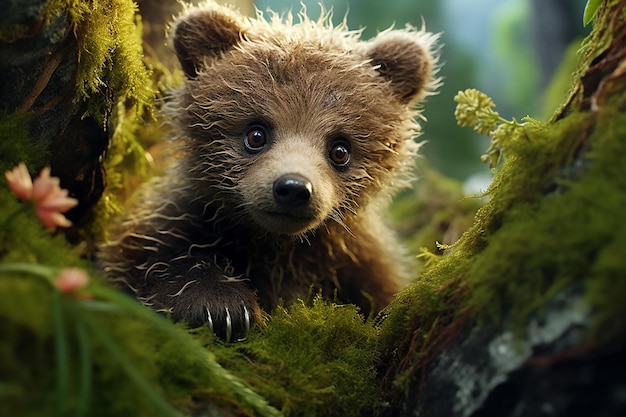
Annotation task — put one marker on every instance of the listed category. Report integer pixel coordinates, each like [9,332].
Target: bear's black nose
[292,190]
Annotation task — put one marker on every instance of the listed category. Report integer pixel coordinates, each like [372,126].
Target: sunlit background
[510,49]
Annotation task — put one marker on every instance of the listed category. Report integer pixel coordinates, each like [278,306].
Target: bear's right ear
[204,33]
[405,58]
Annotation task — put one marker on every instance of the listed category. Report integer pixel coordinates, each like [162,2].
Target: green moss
[129,161]
[111,67]
[310,361]
[547,241]
[114,81]
[126,163]
[607,24]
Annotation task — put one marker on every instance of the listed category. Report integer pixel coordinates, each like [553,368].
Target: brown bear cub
[294,136]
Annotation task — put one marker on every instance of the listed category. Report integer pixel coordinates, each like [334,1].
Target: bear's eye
[340,154]
[255,139]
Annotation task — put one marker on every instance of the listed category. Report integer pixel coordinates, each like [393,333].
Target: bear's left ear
[406,60]
[204,33]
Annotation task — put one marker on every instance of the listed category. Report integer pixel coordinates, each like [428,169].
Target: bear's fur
[294,136]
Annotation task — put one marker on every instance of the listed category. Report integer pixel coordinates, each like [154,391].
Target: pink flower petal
[51,200]
[58,201]
[52,219]
[19,181]
[71,279]
[44,185]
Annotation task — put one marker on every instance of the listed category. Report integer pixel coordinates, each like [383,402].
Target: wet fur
[199,241]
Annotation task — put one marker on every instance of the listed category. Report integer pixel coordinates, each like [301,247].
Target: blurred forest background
[509,49]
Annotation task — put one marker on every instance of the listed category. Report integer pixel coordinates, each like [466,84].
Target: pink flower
[19,181]
[72,281]
[49,198]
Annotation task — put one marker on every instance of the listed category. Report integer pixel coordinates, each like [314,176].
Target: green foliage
[475,109]
[126,163]
[109,356]
[516,64]
[116,84]
[23,238]
[561,82]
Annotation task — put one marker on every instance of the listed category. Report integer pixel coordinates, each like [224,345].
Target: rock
[551,369]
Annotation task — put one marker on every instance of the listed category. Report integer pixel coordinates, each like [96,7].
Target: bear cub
[292,137]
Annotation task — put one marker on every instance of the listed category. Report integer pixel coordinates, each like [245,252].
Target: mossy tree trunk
[38,66]
[525,315]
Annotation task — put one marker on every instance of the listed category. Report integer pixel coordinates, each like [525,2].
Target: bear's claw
[229,324]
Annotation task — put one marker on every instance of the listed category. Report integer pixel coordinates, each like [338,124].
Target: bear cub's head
[294,125]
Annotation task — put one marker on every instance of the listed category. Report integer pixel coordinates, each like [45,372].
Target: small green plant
[475,109]
[591,9]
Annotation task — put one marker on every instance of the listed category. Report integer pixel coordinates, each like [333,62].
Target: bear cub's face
[292,126]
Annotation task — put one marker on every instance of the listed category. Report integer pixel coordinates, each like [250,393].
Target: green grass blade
[61,355]
[84,351]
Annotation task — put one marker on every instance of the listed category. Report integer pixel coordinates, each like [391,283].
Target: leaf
[590,11]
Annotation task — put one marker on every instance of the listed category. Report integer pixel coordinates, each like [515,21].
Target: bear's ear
[406,60]
[204,33]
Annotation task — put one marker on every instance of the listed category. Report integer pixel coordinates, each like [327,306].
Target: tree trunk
[548,237]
